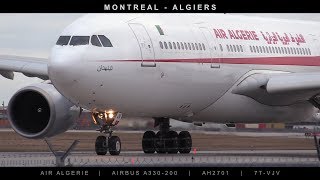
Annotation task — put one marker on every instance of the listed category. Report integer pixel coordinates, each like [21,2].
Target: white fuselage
[145,74]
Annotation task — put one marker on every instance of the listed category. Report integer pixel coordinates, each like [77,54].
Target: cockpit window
[63,40]
[95,41]
[105,41]
[79,40]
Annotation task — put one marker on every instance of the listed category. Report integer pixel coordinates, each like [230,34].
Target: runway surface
[257,158]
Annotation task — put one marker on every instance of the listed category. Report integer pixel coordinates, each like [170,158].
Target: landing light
[110,115]
[110,111]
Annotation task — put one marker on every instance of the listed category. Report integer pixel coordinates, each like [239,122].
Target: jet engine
[39,111]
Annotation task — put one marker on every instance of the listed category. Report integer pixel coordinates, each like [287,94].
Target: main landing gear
[166,140]
[106,142]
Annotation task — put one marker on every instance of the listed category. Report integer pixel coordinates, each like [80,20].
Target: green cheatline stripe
[160,30]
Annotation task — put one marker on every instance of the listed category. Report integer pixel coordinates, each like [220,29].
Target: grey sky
[35,34]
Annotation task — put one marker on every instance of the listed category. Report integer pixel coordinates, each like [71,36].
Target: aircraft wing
[29,66]
[280,89]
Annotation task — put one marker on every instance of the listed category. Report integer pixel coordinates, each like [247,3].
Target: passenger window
[267,50]
[260,49]
[185,45]
[170,45]
[165,45]
[174,45]
[203,47]
[277,50]
[105,41]
[254,49]
[195,44]
[285,50]
[294,51]
[161,45]
[238,48]
[257,49]
[273,50]
[303,51]
[291,50]
[221,49]
[234,48]
[192,46]
[189,46]
[178,45]
[79,40]
[309,51]
[231,48]
[182,47]
[270,49]
[241,48]
[298,52]
[250,48]
[228,48]
[63,40]
[95,41]
[200,47]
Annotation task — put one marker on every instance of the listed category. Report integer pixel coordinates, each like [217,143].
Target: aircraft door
[145,44]
[212,46]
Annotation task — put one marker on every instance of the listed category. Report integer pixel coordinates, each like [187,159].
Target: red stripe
[294,61]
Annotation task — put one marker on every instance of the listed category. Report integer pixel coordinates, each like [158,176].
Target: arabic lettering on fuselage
[104,68]
[284,38]
[269,37]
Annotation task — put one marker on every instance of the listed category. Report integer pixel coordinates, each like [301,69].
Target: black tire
[185,142]
[101,145]
[159,143]
[172,142]
[114,145]
[148,142]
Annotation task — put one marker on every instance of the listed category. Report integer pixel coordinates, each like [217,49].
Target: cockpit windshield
[63,40]
[105,41]
[79,40]
[96,40]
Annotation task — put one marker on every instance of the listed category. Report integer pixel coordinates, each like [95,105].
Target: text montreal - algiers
[153,7]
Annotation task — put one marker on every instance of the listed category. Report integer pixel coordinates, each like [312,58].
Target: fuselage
[181,66]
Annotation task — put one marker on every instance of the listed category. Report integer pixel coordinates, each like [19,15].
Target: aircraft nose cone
[62,65]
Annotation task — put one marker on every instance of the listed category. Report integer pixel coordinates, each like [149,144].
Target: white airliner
[213,68]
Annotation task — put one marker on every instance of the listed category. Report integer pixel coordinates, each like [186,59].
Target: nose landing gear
[166,141]
[107,141]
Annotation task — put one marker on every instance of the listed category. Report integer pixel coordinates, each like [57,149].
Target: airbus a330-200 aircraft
[192,68]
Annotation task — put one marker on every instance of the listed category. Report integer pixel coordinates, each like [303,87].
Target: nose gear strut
[106,142]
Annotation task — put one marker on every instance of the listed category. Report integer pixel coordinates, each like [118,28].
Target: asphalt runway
[244,158]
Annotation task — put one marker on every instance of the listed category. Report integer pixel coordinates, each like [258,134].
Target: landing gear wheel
[101,145]
[160,144]
[114,145]
[148,141]
[172,142]
[185,142]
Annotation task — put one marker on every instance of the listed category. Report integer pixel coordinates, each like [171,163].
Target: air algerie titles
[270,37]
[236,34]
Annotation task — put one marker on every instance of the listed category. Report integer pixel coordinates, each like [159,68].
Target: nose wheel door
[145,45]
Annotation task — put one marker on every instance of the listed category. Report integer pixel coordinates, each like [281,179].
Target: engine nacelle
[39,111]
